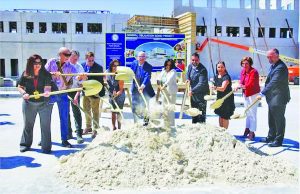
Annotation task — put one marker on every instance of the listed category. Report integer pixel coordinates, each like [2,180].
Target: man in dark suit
[197,78]
[277,94]
[142,70]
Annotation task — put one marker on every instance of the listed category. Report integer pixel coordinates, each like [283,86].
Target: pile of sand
[139,157]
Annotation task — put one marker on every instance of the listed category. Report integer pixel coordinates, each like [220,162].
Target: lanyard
[35,83]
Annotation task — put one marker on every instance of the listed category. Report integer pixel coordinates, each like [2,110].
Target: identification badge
[36,93]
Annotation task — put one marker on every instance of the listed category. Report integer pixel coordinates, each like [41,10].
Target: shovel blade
[124,73]
[238,116]
[193,112]
[91,87]
[216,104]
[209,97]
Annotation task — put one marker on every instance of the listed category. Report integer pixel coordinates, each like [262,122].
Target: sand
[190,155]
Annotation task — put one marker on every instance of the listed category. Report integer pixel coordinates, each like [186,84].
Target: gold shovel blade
[124,73]
[216,104]
[91,87]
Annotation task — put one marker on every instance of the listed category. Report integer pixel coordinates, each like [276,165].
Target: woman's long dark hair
[173,66]
[30,63]
[112,63]
[223,63]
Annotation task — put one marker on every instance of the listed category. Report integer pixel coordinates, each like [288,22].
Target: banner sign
[158,48]
[115,48]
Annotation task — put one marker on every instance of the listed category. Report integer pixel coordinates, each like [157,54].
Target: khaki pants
[91,104]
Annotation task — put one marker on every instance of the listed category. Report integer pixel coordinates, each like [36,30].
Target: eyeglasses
[67,54]
[37,63]
[141,56]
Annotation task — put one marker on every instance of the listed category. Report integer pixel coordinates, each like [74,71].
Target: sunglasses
[67,54]
[37,63]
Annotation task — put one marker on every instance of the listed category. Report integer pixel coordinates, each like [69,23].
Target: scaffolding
[138,21]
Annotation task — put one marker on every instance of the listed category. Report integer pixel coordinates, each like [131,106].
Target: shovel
[123,73]
[128,75]
[89,115]
[210,96]
[183,102]
[218,103]
[241,116]
[118,108]
[170,107]
[193,112]
[90,88]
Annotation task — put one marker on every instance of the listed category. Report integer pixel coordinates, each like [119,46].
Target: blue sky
[132,7]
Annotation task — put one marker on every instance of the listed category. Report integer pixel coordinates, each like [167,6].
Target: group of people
[35,85]
[276,91]
[37,81]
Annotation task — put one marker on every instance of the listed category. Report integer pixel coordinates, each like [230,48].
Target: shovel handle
[141,93]
[118,108]
[251,105]
[57,92]
[190,103]
[88,74]
[88,114]
[166,97]
[183,102]
[227,95]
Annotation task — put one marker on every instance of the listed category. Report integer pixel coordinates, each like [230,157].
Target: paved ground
[34,172]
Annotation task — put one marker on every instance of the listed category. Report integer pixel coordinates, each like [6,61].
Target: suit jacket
[96,68]
[144,78]
[199,82]
[277,85]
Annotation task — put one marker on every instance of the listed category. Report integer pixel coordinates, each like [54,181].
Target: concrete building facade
[25,32]
[232,26]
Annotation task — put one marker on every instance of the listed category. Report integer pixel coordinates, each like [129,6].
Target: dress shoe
[251,136]
[65,143]
[46,151]
[86,131]
[94,134]
[275,144]
[24,148]
[79,139]
[246,132]
[266,140]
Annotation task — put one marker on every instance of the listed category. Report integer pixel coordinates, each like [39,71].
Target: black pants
[77,116]
[276,123]
[201,105]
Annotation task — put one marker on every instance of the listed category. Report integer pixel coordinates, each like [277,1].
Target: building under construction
[234,28]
